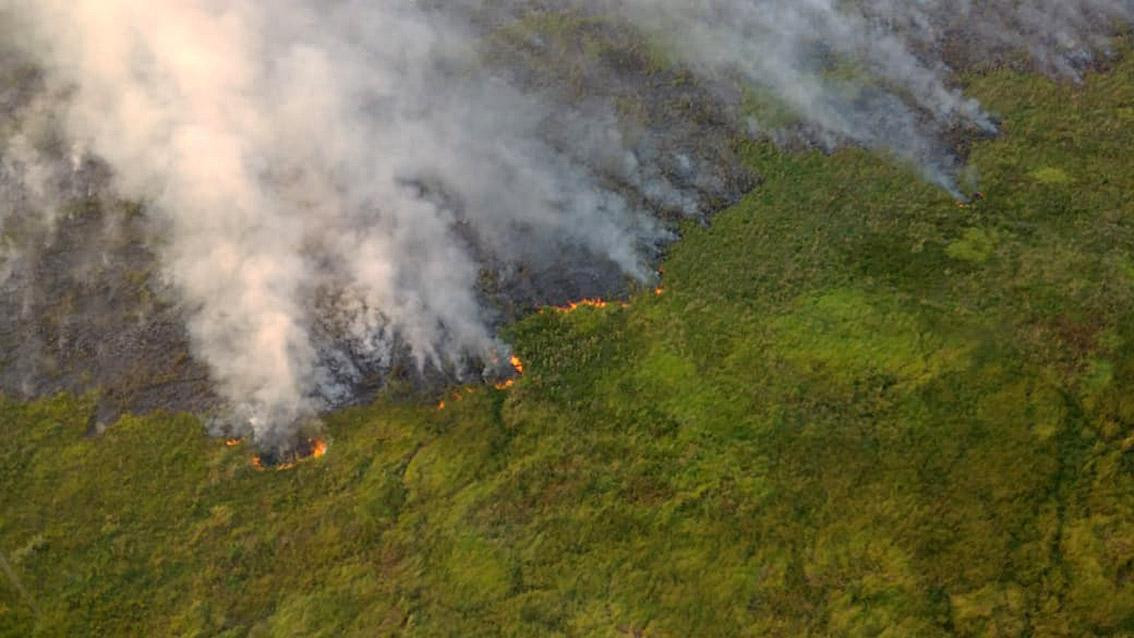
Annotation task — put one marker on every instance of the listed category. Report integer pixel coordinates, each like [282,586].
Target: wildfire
[313,449]
[233,442]
[587,303]
[318,448]
[518,366]
[659,291]
[440,406]
[976,197]
[584,303]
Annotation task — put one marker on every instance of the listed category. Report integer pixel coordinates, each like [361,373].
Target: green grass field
[858,409]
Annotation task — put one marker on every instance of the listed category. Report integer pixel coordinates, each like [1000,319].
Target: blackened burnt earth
[80,306]
[82,310]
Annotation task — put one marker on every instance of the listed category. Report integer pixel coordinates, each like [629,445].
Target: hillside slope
[857,409]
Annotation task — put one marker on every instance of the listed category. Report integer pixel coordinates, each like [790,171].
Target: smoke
[330,179]
[875,73]
[1059,37]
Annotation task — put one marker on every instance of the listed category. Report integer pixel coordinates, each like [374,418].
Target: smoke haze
[328,181]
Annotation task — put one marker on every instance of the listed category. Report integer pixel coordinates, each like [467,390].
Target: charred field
[850,406]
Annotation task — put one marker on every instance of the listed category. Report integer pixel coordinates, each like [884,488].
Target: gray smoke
[328,179]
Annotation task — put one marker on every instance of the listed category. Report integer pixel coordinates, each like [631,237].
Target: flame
[440,406]
[318,448]
[659,291]
[233,442]
[517,364]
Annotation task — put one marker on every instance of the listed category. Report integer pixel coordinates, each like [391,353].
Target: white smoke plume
[338,165]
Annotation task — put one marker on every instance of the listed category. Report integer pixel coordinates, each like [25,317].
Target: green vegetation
[858,409]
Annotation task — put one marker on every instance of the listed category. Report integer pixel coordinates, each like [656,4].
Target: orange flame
[440,406]
[659,291]
[318,448]
[233,442]
[517,364]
